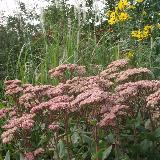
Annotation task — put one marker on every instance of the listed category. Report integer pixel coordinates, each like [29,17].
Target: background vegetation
[65,35]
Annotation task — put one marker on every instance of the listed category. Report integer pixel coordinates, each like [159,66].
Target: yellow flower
[123,16]
[142,34]
[148,27]
[113,15]
[158,25]
[134,33]
[145,34]
[112,21]
[139,1]
[122,4]
[137,34]
[130,55]
[112,18]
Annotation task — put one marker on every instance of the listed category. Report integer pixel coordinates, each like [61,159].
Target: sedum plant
[113,115]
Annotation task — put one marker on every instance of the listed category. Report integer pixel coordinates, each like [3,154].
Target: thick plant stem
[67,138]
[152,123]
[55,141]
[96,140]
[96,135]
[116,143]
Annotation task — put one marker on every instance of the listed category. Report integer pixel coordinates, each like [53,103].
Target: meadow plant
[74,118]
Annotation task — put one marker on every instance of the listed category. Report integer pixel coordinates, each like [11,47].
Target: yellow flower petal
[123,16]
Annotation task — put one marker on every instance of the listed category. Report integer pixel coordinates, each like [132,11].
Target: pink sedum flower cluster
[13,87]
[108,97]
[59,72]
[133,75]
[33,155]
[113,69]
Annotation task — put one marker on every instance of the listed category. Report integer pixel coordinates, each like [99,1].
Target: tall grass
[66,38]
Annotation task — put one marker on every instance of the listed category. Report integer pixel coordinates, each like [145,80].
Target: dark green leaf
[157,132]
[75,137]
[145,145]
[107,152]
[61,147]
[86,139]
[7,157]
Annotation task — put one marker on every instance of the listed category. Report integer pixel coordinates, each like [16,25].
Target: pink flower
[27,124]
[118,63]
[94,96]
[29,156]
[113,69]
[3,112]
[53,127]
[59,72]
[79,85]
[38,151]
[133,75]
[59,106]
[13,87]
[14,91]
[9,82]
[154,99]
[7,139]
[108,120]
[8,132]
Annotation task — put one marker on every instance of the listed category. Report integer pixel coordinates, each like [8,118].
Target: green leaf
[125,157]
[1,157]
[99,154]
[106,153]
[75,137]
[21,157]
[61,147]
[148,124]
[138,120]
[110,138]
[157,132]
[145,145]
[43,140]
[86,139]
[93,122]
[84,156]
[7,157]
[1,105]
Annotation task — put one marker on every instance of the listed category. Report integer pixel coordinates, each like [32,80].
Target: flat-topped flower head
[153,100]
[15,81]
[134,74]
[54,127]
[29,156]
[59,72]
[38,152]
[113,69]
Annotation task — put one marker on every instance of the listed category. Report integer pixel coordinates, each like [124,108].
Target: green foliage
[7,157]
